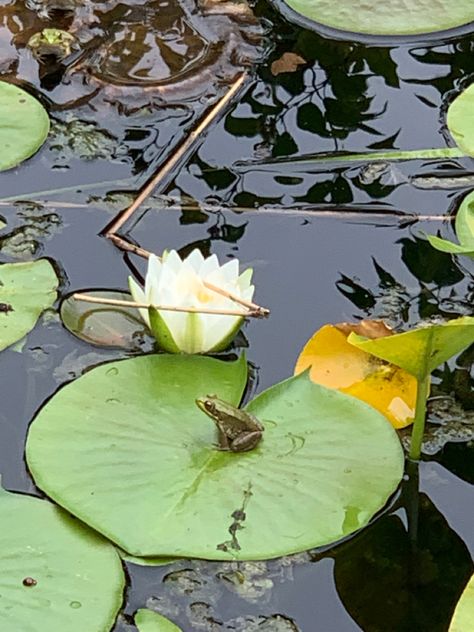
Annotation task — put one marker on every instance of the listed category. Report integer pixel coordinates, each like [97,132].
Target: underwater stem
[420,415]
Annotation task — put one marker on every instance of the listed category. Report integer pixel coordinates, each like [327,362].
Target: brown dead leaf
[288,62]
[368,328]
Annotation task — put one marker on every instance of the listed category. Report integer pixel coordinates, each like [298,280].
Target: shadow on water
[327,245]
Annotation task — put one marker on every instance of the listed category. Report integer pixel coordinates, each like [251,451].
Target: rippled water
[327,243]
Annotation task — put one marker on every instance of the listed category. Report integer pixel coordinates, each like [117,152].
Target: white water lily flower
[180,283]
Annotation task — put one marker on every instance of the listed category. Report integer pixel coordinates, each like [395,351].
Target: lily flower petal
[139,297]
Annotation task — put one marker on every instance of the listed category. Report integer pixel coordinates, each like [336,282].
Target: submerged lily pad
[127,450]
[24,125]
[105,325]
[56,573]
[26,290]
[390,17]
[149,621]
[460,119]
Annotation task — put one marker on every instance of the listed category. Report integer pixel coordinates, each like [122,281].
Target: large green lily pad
[127,450]
[26,290]
[149,621]
[460,119]
[57,574]
[390,17]
[24,125]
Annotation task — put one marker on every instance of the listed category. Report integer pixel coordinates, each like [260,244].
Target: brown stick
[263,311]
[182,149]
[126,245]
[165,308]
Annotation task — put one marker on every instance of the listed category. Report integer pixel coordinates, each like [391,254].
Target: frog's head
[207,404]
[53,36]
[52,40]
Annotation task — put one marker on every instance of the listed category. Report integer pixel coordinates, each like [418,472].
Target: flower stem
[412,503]
[420,415]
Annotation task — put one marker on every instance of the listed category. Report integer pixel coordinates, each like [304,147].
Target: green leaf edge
[150,621]
[444,245]
[45,124]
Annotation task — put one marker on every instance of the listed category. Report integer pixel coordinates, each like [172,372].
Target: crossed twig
[251,309]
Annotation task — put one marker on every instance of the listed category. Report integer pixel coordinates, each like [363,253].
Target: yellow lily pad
[337,364]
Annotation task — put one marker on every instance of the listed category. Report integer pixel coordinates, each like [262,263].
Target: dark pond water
[327,244]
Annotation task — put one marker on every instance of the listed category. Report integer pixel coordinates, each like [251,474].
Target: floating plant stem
[26,197]
[321,159]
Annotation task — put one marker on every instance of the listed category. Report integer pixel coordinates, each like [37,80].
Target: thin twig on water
[165,308]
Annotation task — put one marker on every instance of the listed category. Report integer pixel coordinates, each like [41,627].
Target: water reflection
[387,577]
[346,97]
[172,51]
[442,289]
[143,74]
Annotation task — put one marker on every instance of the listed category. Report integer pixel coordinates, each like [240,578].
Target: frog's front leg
[223,439]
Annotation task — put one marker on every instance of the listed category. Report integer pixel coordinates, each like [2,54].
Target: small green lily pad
[149,621]
[463,618]
[26,290]
[126,449]
[390,17]
[57,574]
[460,119]
[24,125]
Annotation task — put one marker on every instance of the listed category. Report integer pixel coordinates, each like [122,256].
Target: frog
[54,42]
[239,431]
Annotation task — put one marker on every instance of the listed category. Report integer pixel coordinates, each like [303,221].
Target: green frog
[54,42]
[239,431]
